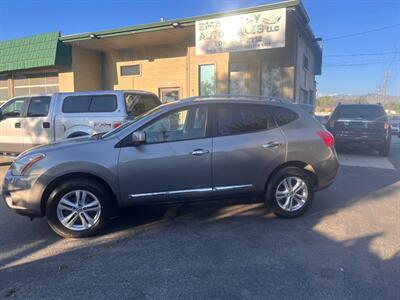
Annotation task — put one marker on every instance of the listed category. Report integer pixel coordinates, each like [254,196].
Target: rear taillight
[116,124]
[327,137]
[386,125]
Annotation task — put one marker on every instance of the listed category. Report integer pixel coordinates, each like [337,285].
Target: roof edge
[169,24]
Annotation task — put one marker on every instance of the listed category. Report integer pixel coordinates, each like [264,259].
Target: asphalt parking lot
[346,246]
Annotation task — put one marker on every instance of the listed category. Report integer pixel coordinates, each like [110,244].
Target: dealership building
[264,50]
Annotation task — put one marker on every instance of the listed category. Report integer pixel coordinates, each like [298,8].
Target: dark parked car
[192,150]
[361,124]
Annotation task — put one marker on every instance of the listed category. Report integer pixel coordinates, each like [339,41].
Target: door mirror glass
[138,137]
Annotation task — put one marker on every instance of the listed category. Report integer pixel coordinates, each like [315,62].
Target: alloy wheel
[291,193]
[78,210]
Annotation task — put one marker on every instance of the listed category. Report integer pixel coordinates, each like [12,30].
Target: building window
[303,96]
[271,78]
[312,97]
[132,70]
[207,80]
[305,62]
[40,83]
[3,88]
[238,75]
[169,94]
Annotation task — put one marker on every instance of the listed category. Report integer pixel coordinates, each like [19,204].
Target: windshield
[361,112]
[127,124]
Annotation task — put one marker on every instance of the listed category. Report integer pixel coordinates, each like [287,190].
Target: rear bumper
[353,139]
[326,171]
[22,194]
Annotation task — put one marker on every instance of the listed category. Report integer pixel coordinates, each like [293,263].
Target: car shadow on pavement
[220,250]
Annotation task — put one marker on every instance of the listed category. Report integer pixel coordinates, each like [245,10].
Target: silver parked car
[28,121]
[191,150]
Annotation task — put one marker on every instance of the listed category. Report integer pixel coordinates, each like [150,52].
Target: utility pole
[385,83]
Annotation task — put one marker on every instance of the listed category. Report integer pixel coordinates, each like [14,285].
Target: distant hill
[328,102]
[371,98]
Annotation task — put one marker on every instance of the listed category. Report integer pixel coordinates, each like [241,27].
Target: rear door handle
[199,152]
[272,145]
[18,125]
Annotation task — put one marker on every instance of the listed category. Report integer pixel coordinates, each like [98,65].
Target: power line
[361,54]
[362,64]
[361,33]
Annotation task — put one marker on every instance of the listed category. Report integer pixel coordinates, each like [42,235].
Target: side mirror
[138,137]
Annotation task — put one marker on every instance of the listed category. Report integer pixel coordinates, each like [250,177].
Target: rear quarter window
[283,115]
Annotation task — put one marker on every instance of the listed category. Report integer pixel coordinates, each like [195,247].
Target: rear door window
[103,103]
[137,104]
[84,104]
[39,106]
[239,119]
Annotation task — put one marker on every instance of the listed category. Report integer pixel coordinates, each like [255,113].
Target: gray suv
[193,150]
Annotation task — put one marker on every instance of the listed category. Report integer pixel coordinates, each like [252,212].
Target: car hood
[62,144]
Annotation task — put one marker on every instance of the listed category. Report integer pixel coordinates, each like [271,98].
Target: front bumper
[22,194]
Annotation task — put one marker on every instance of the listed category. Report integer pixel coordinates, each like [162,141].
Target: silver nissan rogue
[192,150]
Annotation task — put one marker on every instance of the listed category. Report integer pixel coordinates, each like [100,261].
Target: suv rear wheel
[78,208]
[290,192]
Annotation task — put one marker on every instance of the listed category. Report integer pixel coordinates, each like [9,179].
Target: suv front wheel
[290,192]
[78,208]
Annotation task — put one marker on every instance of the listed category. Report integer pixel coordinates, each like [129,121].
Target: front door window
[13,109]
[180,125]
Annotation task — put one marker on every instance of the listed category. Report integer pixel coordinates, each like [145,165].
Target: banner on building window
[259,30]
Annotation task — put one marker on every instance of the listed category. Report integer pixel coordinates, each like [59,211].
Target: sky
[351,65]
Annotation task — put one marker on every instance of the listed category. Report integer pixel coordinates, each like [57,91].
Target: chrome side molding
[202,190]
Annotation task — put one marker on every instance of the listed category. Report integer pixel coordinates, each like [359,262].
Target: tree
[359,100]
[325,100]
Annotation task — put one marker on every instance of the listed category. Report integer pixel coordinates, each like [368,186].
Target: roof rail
[228,96]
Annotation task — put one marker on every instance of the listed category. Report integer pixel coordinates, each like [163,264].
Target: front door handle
[199,152]
[272,145]
[18,125]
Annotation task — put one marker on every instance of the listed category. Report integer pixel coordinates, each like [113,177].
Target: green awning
[42,50]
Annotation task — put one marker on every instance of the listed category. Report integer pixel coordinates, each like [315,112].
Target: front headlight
[21,165]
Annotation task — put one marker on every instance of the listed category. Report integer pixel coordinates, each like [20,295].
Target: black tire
[270,194]
[103,196]
[384,151]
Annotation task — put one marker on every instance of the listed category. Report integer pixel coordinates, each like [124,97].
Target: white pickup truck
[27,121]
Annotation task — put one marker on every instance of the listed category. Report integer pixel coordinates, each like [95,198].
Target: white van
[27,121]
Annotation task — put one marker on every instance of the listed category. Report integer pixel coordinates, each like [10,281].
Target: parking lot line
[367,161]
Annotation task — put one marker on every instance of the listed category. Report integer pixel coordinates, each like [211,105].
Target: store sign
[259,30]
